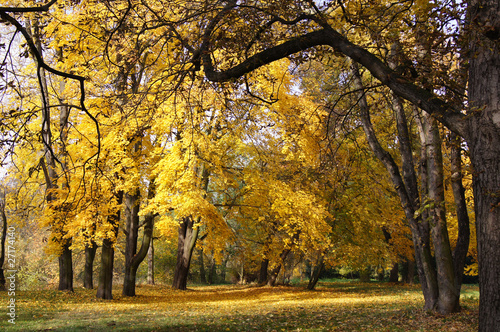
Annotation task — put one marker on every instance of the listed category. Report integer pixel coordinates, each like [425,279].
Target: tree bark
[394,275]
[420,237]
[264,264]
[105,286]
[66,268]
[88,272]
[203,277]
[484,145]
[462,246]
[151,263]
[186,242]
[315,273]
[448,300]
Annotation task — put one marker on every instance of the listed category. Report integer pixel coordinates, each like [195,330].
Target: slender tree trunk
[462,246]
[203,278]
[420,236]
[315,273]
[212,272]
[88,272]
[105,286]
[449,297]
[273,275]
[188,234]
[151,263]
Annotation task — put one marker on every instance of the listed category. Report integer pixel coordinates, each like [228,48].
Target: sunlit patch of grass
[332,307]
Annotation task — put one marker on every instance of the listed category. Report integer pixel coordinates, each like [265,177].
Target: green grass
[333,306]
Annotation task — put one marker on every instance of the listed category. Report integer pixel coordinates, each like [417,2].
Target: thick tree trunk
[132,202]
[264,264]
[484,145]
[394,275]
[66,268]
[105,285]
[88,272]
[186,242]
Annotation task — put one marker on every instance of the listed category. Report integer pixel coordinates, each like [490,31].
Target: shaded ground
[332,307]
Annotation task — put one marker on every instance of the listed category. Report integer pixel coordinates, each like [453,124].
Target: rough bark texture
[88,271]
[186,241]
[462,246]
[105,286]
[132,202]
[448,300]
[484,145]
[420,235]
[66,268]
[264,264]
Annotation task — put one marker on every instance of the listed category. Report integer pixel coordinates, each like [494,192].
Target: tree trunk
[394,275]
[212,272]
[88,272]
[132,202]
[66,268]
[484,145]
[315,273]
[203,278]
[264,264]
[408,200]
[186,242]
[129,284]
[105,286]
[448,300]
[462,246]
[151,263]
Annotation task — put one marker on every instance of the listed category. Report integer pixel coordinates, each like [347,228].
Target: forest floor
[333,306]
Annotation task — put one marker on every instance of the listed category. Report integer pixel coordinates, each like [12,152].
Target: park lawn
[350,306]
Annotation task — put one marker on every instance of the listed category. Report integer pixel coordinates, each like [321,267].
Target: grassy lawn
[342,306]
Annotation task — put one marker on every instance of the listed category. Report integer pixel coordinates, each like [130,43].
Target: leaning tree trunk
[408,197]
[315,273]
[105,286]
[463,239]
[484,145]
